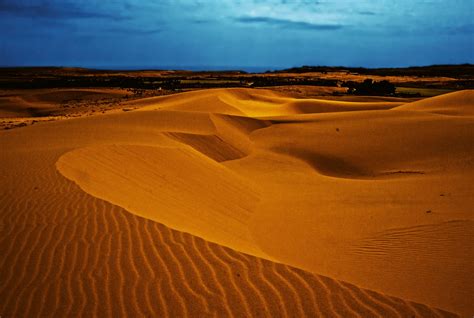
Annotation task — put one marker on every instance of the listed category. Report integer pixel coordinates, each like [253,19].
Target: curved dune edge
[338,167]
[178,187]
[273,286]
[68,253]
[113,263]
[369,145]
[252,103]
[229,142]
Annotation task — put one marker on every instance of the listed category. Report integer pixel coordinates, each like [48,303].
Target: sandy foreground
[243,203]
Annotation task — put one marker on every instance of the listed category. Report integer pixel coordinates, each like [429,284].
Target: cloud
[132,31]
[367,13]
[53,10]
[307,4]
[201,21]
[290,24]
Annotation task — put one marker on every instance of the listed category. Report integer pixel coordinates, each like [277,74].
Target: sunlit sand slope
[239,201]
[254,103]
[177,186]
[69,254]
[458,104]
[383,201]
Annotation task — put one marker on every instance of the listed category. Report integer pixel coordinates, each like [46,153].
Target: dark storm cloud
[52,10]
[288,23]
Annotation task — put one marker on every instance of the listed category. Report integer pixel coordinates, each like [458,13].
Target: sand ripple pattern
[68,254]
[415,240]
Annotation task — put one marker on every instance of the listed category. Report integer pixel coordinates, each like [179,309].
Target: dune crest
[455,104]
[243,202]
[245,102]
[178,187]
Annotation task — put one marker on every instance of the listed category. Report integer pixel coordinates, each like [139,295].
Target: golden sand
[242,202]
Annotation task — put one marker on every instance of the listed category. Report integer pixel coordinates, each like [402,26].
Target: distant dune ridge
[242,203]
[44,102]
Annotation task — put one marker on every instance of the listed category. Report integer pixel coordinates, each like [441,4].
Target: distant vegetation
[369,87]
[461,71]
[439,77]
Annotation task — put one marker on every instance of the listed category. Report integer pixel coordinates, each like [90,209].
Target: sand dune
[244,102]
[166,184]
[19,108]
[457,103]
[15,106]
[235,203]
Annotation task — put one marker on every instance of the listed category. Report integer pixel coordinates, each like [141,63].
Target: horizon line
[217,68]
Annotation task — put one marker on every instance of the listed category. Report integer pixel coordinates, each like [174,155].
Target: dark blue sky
[277,33]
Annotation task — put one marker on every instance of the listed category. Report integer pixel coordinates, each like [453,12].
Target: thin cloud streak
[288,23]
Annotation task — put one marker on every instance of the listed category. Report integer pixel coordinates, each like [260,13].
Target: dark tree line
[370,87]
